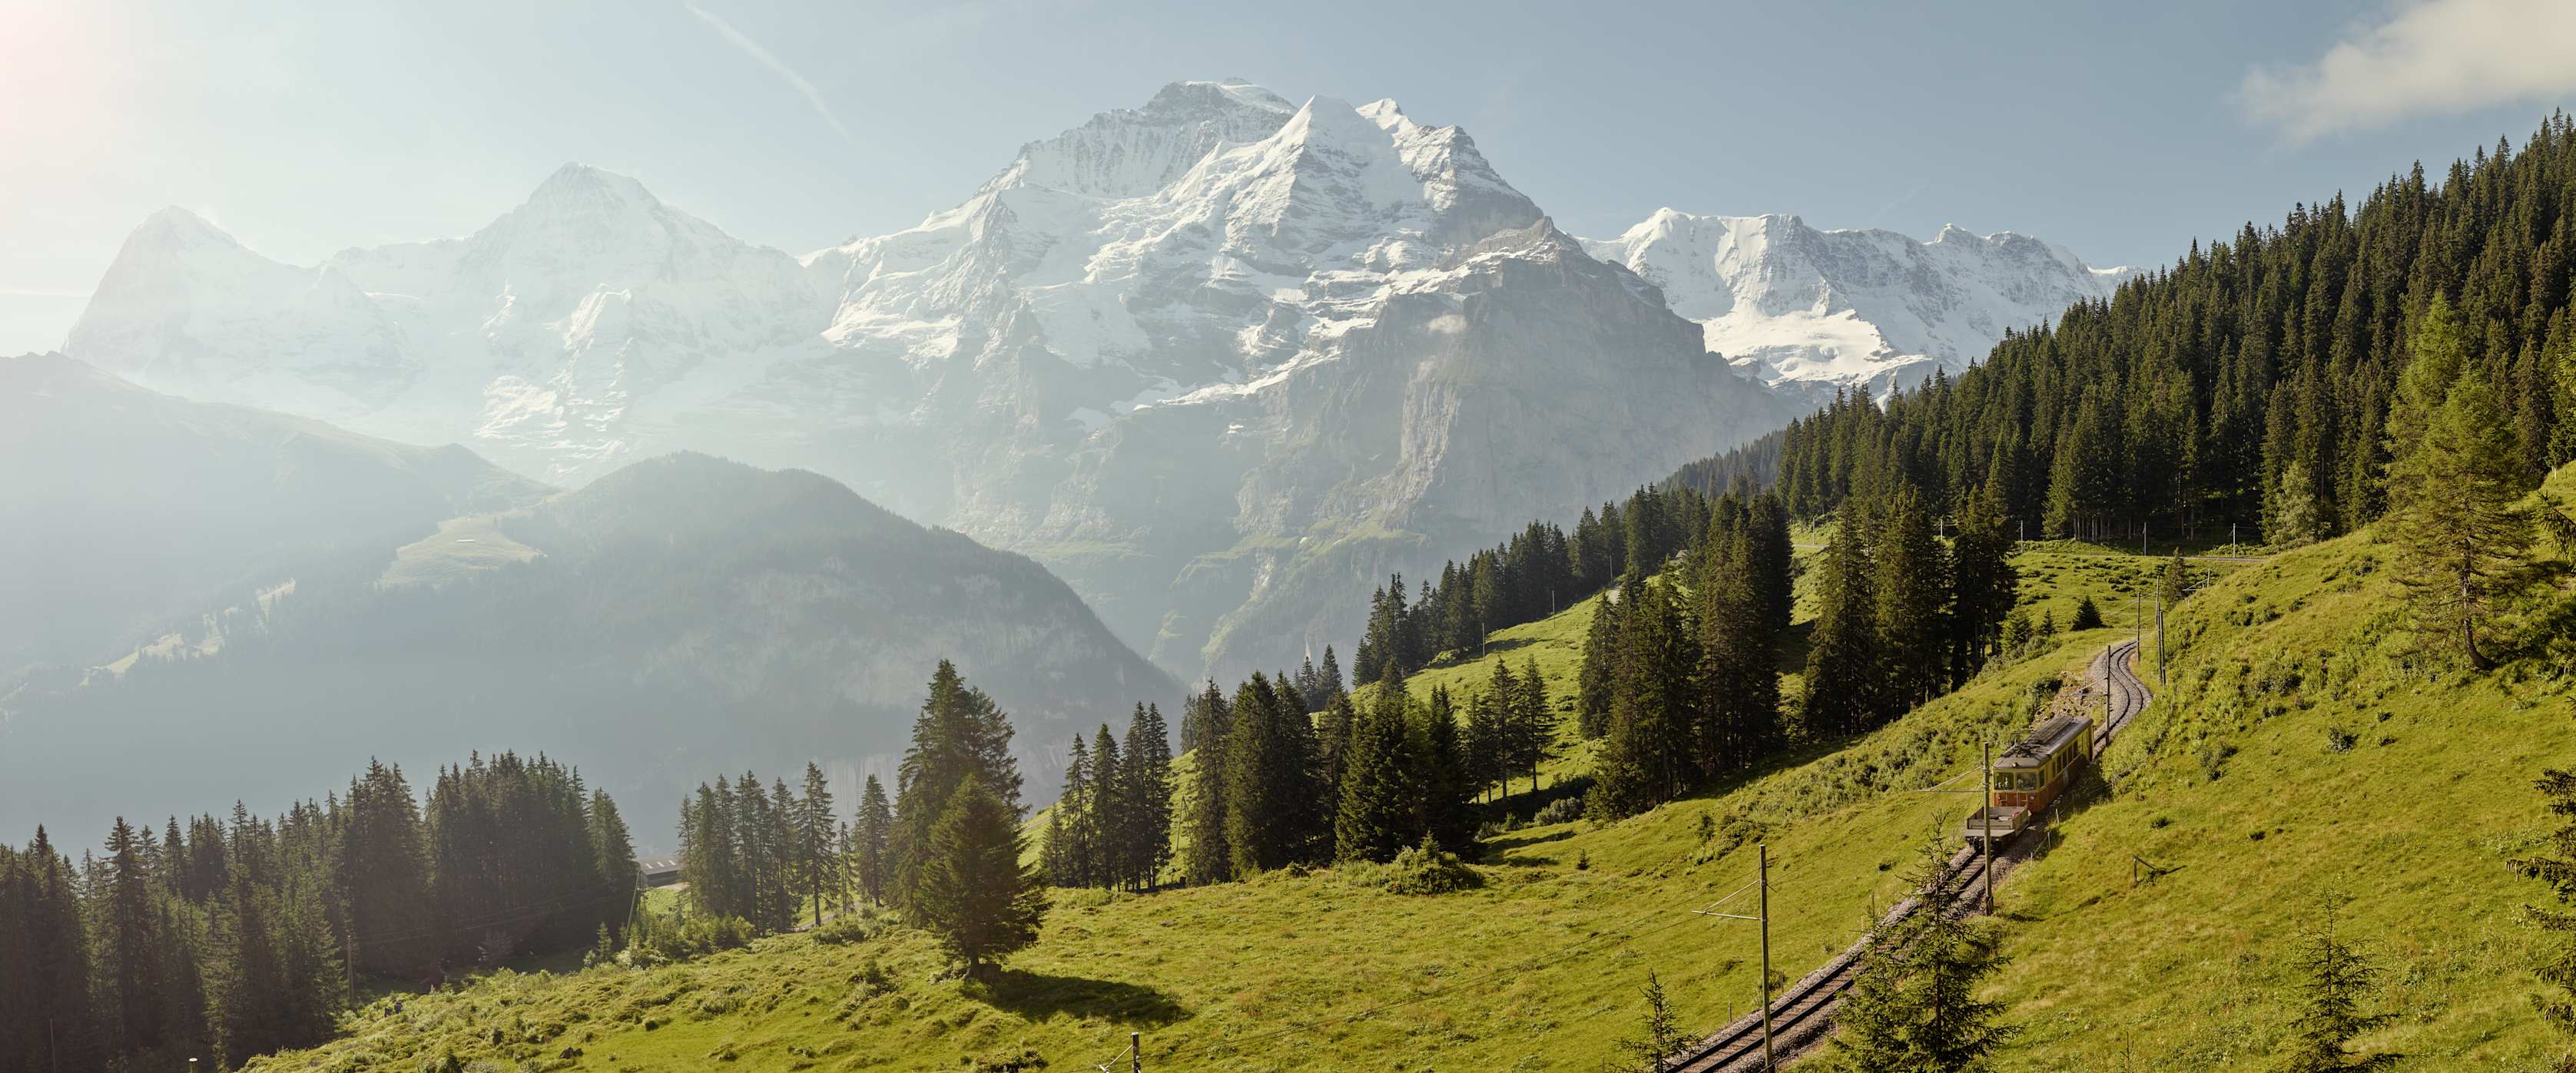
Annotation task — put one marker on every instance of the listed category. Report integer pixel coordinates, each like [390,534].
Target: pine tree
[2088,615]
[2557,868]
[1844,656]
[128,952]
[1661,1038]
[1600,661]
[1648,758]
[385,893]
[2456,517]
[1912,1007]
[1209,858]
[1149,792]
[1913,613]
[1449,787]
[973,892]
[1111,813]
[960,734]
[2334,976]
[1738,677]
[817,829]
[875,828]
[1531,730]
[1983,582]
[1272,816]
[1378,795]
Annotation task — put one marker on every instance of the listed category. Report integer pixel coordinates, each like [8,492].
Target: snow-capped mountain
[1221,361]
[1787,302]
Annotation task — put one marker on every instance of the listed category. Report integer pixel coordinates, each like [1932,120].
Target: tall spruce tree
[1845,661]
[960,734]
[875,829]
[2457,519]
[1913,612]
[818,835]
[1208,857]
[1379,794]
[972,891]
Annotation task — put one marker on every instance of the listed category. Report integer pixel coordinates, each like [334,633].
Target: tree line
[945,851]
[1535,574]
[1274,784]
[1112,827]
[233,938]
[2258,381]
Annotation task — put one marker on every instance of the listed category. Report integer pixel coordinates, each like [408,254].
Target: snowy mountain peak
[1788,302]
[578,184]
[178,228]
[1131,152]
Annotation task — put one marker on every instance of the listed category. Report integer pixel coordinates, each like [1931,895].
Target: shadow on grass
[1038,996]
[1516,841]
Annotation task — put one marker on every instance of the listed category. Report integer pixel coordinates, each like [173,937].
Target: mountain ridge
[1142,351]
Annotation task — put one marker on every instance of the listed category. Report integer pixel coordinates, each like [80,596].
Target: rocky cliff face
[1220,360]
[1793,305]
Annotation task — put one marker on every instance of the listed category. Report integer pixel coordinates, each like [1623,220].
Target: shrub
[1561,810]
[1428,869]
[842,930]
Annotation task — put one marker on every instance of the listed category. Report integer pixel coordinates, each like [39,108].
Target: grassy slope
[2412,822]
[1538,969]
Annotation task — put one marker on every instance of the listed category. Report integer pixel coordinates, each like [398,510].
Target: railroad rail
[1802,1015]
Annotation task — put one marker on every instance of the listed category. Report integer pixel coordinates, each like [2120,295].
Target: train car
[2031,773]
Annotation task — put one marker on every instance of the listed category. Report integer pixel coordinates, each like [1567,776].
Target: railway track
[1802,1015]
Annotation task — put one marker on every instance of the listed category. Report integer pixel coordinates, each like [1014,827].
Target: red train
[2031,773]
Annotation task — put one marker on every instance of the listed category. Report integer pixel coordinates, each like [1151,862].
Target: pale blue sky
[2122,130]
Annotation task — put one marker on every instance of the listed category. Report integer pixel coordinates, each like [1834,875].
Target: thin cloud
[2431,57]
[776,66]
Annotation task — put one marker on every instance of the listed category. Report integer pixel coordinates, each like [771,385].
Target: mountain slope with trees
[126,513]
[681,616]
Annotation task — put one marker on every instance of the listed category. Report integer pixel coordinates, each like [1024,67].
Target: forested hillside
[2252,381]
[681,617]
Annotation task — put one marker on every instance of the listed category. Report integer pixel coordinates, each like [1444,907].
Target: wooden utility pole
[1986,827]
[1136,1052]
[1764,881]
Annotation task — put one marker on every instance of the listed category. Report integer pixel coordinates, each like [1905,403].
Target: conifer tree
[1484,744]
[1448,814]
[1661,1038]
[1149,793]
[1844,658]
[386,886]
[1273,803]
[128,944]
[1111,813]
[1600,661]
[1648,758]
[1912,1007]
[874,828]
[2556,866]
[2333,978]
[973,892]
[2457,519]
[1378,793]
[818,829]
[1983,582]
[1208,857]
[1738,677]
[1913,614]
[960,734]
[2088,615]
[1531,730]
